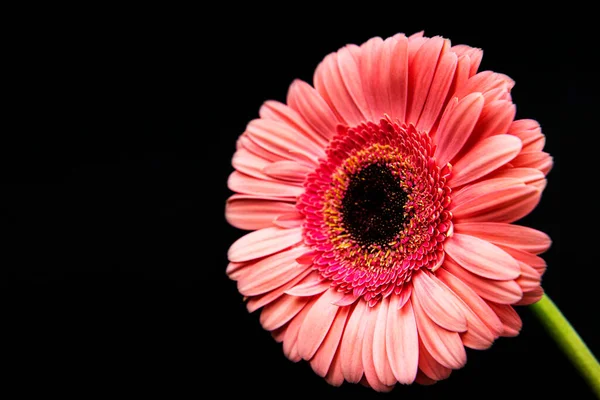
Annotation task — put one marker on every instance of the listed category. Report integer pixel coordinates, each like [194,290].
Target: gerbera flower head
[382,201]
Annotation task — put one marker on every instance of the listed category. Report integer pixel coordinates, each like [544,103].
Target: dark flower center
[373,205]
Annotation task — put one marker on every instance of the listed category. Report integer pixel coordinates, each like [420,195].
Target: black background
[115,182]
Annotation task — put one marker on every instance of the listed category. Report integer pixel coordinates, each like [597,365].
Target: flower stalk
[569,341]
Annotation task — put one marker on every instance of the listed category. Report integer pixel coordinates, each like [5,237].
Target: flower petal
[349,70]
[439,302]
[475,56]
[519,237]
[334,376]
[380,358]
[287,171]
[525,175]
[504,292]
[481,257]
[485,157]
[317,324]
[538,263]
[475,303]
[246,184]
[313,285]
[277,111]
[495,119]
[511,321]
[263,242]
[284,141]
[256,302]
[420,76]
[282,310]
[456,126]
[530,133]
[310,105]
[430,366]
[370,321]
[351,347]
[438,92]
[270,273]
[504,205]
[323,358]
[534,159]
[290,340]
[402,340]
[444,346]
[251,213]
[330,85]
[250,164]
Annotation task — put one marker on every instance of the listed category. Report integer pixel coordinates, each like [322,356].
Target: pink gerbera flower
[382,201]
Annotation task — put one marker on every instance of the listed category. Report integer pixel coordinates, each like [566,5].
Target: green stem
[569,341]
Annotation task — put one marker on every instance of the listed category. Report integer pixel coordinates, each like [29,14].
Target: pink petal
[284,141]
[538,263]
[251,213]
[420,76]
[476,190]
[277,111]
[530,133]
[317,324]
[486,82]
[311,286]
[323,358]
[505,292]
[439,302]
[270,273]
[282,310]
[511,321]
[461,76]
[481,257]
[444,346]
[279,334]
[287,171]
[529,279]
[430,367]
[485,157]
[438,92]
[290,340]
[456,126]
[423,379]
[348,299]
[289,220]
[351,348]
[245,143]
[519,237]
[349,70]
[380,357]
[504,205]
[330,85]
[495,119]
[531,297]
[374,67]
[246,184]
[256,302]
[524,175]
[404,295]
[474,54]
[475,303]
[402,341]
[263,243]
[310,105]
[396,56]
[368,351]
[250,164]
[334,376]
[534,159]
